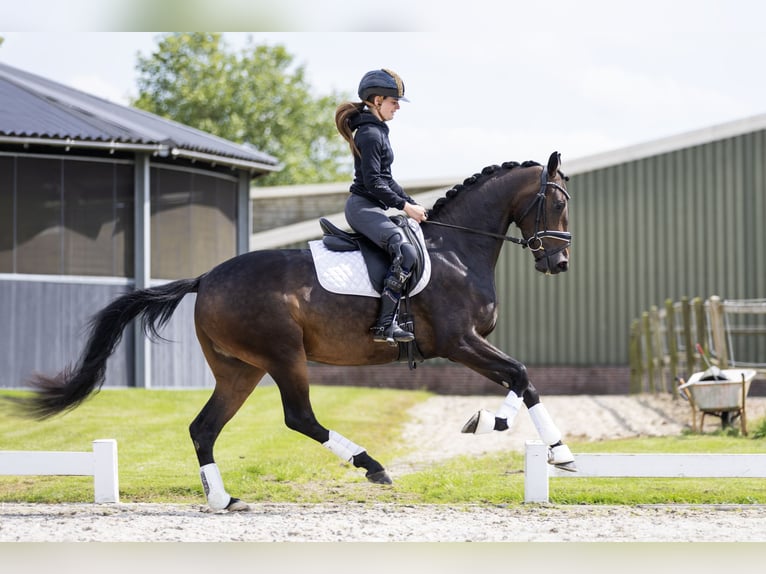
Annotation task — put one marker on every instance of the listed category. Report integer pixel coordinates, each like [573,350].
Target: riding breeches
[369,219]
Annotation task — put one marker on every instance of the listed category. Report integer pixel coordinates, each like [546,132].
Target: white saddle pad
[345,273]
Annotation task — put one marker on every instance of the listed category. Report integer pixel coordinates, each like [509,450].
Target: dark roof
[35,109]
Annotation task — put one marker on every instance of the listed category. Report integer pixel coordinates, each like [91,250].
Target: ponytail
[342,115]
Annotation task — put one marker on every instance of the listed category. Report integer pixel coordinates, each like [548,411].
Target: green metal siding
[684,223]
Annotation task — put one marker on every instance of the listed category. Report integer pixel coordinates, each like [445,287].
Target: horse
[265,312]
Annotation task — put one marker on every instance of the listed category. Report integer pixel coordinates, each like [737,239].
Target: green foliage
[257,95]
[759,429]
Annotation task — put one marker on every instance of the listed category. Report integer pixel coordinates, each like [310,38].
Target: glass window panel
[88,218]
[39,215]
[170,229]
[7,210]
[98,219]
[193,222]
[124,217]
[213,221]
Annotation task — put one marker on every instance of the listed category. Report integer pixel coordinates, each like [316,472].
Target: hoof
[237,505]
[379,477]
[481,422]
[568,466]
[561,457]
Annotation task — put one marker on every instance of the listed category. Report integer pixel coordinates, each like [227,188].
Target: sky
[499,81]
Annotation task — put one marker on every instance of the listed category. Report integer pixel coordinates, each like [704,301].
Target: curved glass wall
[75,216]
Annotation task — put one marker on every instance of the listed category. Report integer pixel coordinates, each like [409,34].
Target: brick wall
[451,379]
[272,212]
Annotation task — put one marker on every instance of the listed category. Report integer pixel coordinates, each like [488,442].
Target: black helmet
[381,83]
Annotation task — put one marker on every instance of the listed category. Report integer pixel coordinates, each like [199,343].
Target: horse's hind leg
[235,382]
[292,379]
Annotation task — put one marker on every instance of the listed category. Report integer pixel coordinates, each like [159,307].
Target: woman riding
[374,190]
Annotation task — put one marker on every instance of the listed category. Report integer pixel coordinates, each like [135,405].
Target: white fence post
[101,464]
[106,482]
[535,472]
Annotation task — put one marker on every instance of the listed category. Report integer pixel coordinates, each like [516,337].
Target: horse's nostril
[563,265]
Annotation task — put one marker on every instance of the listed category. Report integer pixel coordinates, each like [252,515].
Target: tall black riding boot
[387,329]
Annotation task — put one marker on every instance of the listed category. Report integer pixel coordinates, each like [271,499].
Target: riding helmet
[381,83]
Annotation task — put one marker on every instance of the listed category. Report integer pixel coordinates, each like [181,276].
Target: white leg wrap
[485,423]
[549,432]
[509,408]
[343,447]
[217,497]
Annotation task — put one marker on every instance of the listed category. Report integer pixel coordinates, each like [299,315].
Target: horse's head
[544,219]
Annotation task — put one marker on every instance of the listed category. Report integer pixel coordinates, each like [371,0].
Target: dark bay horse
[265,312]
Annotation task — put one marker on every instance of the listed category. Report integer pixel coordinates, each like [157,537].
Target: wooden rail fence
[663,341]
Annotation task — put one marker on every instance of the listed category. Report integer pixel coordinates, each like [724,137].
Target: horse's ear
[553,163]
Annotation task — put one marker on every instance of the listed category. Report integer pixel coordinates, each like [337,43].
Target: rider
[373,191]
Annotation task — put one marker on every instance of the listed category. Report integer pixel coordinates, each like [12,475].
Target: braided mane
[471,182]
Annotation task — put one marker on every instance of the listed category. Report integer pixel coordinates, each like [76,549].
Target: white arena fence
[537,470]
[101,464]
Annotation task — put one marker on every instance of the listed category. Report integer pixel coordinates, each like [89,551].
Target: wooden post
[659,355]
[686,313]
[648,348]
[699,319]
[636,364]
[743,412]
[670,323]
[718,331]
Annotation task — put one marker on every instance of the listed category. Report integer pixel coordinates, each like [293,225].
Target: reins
[539,201]
[516,240]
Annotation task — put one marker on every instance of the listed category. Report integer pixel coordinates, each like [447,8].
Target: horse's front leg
[479,355]
[558,453]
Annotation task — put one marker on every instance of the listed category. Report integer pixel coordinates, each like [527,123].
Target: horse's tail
[73,385]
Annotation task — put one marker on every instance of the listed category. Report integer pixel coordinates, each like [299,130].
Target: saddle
[378,263]
[376,259]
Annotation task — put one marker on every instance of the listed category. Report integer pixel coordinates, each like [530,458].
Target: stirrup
[391,334]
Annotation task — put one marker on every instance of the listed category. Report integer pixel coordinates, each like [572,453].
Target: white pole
[105,476]
[535,472]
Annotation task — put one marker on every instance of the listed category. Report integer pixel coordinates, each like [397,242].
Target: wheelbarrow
[718,392]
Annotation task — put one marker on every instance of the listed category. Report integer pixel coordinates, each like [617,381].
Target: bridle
[535,241]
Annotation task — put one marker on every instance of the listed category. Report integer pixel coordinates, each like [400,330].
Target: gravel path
[380,523]
[435,427]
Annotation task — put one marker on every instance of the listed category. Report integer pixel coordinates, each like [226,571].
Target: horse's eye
[559,205]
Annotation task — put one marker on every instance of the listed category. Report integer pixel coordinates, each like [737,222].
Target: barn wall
[45,329]
[683,223]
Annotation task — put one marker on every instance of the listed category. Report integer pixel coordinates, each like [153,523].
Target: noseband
[535,241]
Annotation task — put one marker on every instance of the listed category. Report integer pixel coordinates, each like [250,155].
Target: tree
[256,95]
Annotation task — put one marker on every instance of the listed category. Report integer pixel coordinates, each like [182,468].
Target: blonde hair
[342,115]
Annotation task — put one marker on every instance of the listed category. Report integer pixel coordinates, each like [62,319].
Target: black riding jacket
[372,171]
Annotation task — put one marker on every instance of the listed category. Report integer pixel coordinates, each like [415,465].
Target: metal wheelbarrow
[718,392]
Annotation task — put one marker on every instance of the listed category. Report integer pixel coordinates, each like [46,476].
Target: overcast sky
[514,81]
